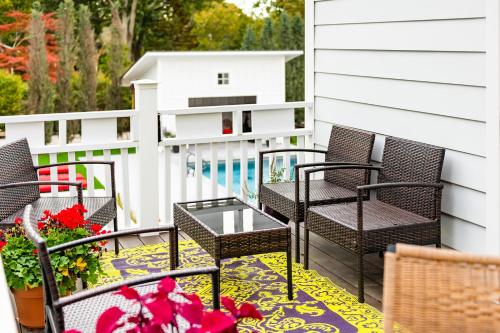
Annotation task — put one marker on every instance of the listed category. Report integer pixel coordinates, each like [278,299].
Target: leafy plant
[277,175]
[159,311]
[19,254]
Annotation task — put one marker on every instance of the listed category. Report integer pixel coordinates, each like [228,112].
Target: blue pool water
[221,172]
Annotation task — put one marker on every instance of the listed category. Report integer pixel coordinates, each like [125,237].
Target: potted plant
[22,267]
[162,310]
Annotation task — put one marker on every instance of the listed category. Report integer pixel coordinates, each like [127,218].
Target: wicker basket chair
[81,310]
[346,146]
[407,208]
[441,291]
[19,187]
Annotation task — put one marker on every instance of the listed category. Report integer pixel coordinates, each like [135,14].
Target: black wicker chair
[19,186]
[346,146]
[407,208]
[81,310]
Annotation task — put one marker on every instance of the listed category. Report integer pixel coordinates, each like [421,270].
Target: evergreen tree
[267,35]
[298,63]
[66,47]
[87,61]
[285,39]
[249,40]
[40,90]
[116,54]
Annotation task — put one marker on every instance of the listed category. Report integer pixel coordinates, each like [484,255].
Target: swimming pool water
[221,172]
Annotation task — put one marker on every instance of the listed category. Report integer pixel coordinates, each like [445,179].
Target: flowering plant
[19,254]
[165,310]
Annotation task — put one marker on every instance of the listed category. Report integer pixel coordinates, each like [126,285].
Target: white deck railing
[153,176]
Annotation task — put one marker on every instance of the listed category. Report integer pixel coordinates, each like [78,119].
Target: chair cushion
[101,210]
[383,225]
[281,196]
[83,315]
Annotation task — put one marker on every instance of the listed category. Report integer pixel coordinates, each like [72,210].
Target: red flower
[128,293]
[46,215]
[40,225]
[18,220]
[217,322]
[71,218]
[109,320]
[95,228]
[35,252]
[2,244]
[246,310]
[72,331]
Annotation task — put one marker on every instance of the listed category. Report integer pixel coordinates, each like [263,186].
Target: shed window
[223,78]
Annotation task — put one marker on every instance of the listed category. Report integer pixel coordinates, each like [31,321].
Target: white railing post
[309,125]
[147,137]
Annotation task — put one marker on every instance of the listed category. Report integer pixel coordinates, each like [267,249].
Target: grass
[44,159]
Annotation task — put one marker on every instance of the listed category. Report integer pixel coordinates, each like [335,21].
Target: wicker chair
[441,291]
[407,208]
[346,146]
[19,186]
[81,310]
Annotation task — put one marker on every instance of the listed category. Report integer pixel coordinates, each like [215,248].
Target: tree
[40,90]
[276,7]
[116,59]
[250,40]
[285,39]
[220,27]
[12,94]
[298,63]
[267,35]
[66,48]
[87,61]
[15,39]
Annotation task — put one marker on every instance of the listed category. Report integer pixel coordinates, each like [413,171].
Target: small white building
[196,79]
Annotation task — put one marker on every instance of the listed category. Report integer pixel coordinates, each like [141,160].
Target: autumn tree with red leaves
[14,40]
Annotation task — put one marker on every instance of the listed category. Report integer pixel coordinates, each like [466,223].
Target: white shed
[426,70]
[195,79]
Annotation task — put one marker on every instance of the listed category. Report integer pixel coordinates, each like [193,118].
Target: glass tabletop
[234,218]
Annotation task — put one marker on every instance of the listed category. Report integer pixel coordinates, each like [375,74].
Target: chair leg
[297,242]
[438,245]
[306,248]
[117,243]
[361,280]
[289,278]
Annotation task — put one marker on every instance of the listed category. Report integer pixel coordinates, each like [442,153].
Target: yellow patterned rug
[319,305]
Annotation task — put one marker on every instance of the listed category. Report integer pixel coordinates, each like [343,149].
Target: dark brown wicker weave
[245,243]
[19,186]
[81,310]
[347,146]
[407,208]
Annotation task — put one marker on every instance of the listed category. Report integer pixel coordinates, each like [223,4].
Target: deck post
[147,137]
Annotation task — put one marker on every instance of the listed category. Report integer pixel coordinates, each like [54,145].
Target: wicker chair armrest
[112,235]
[78,185]
[284,150]
[110,163]
[400,184]
[343,166]
[214,271]
[319,164]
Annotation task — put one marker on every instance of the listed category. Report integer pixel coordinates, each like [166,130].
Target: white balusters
[198,171]
[214,165]
[229,170]
[244,169]
[286,158]
[272,157]
[257,149]
[72,172]
[107,172]
[62,125]
[90,173]
[54,190]
[125,190]
[167,185]
[182,171]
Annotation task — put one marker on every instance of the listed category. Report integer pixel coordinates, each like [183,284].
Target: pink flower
[109,320]
[246,310]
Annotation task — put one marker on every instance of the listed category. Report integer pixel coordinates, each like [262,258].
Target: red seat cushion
[63,178]
[60,169]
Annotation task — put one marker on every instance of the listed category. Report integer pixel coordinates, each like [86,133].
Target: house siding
[413,69]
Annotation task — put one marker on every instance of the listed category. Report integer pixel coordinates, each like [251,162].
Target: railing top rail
[66,116]
[237,107]
[73,147]
[233,138]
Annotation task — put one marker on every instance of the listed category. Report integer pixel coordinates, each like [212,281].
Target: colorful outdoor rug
[319,305]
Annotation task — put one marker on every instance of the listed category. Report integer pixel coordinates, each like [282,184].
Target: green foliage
[285,37]
[21,265]
[267,35]
[66,44]
[12,94]
[220,27]
[250,40]
[87,62]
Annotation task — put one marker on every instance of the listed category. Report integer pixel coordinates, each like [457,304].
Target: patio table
[229,228]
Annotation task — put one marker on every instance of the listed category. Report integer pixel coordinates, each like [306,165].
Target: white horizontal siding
[455,68]
[462,235]
[448,35]
[452,133]
[441,99]
[356,11]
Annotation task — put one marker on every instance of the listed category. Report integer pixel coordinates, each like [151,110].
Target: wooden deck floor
[328,259]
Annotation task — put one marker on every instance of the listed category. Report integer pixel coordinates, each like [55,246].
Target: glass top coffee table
[228,228]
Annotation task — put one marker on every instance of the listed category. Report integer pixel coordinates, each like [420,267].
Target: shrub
[12,94]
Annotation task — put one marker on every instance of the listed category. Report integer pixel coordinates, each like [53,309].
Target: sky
[246,5]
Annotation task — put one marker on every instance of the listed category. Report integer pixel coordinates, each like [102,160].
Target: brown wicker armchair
[19,186]
[346,146]
[81,310]
[407,208]
[441,291]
